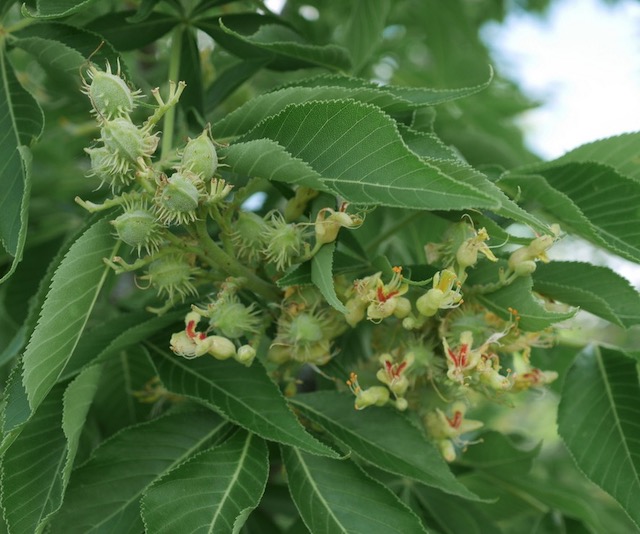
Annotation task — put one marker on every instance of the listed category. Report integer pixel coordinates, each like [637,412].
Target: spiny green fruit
[171,275]
[107,169]
[126,141]
[200,157]
[247,236]
[177,198]
[139,228]
[109,94]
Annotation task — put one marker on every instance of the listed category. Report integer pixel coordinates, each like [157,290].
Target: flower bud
[220,347]
[373,396]
[200,156]
[245,355]
[327,228]
[429,303]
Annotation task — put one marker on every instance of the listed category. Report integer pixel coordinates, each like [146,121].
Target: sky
[583,60]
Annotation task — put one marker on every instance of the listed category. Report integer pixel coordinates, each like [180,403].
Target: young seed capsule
[109,94]
[108,169]
[139,228]
[123,138]
[200,157]
[177,199]
[171,275]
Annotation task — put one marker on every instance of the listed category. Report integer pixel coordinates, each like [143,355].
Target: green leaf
[74,290]
[495,451]
[364,31]
[350,149]
[21,121]
[51,9]
[104,493]
[111,337]
[212,492]
[246,395]
[65,48]
[400,448]
[598,420]
[389,99]
[335,496]
[124,36]
[253,36]
[453,514]
[322,276]
[192,99]
[595,289]
[619,152]
[229,80]
[589,199]
[32,467]
[517,295]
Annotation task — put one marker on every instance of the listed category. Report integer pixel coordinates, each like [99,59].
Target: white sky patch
[583,61]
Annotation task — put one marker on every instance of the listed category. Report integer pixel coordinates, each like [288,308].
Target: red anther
[202,335]
[191,329]
[384,298]
[456,421]
[401,367]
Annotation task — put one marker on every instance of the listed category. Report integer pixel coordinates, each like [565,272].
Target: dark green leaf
[212,492]
[229,80]
[125,36]
[595,289]
[495,451]
[364,31]
[598,420]
[104,493]
[350,149]
[66,48]
[192,99]
[255,36]
[322,276]
[51,9]
[400,448]
[246,395]
[21,120]
[335,496]
[74,290]
[111,337]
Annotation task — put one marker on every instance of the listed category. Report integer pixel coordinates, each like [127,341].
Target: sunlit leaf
[322,276]
[352,150]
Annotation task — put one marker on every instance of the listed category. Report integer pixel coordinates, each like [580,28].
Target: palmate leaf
[212,492]
[595,289]
[589,199]
[73,293]
[104,493]
[353,150]
[21,122]
[335,496]
[245,395]
[598,420]
[383,437]
[254,36]
[38,464]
